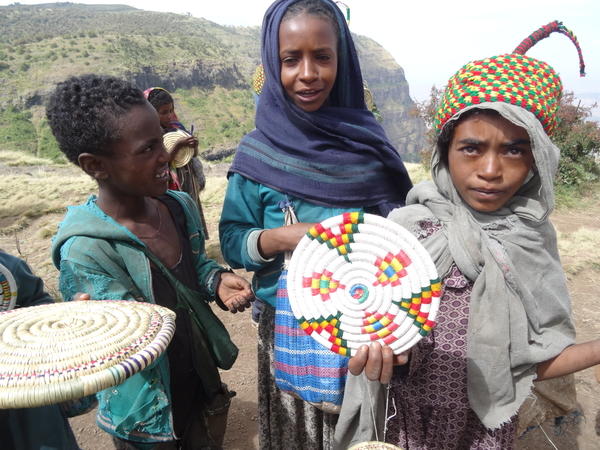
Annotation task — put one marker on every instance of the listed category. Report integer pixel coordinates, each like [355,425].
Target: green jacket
[98,256]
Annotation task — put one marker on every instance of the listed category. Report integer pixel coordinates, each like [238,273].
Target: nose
[490,166]
[307,70]
[164,156]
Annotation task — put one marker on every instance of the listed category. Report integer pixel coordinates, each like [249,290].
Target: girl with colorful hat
[505,320]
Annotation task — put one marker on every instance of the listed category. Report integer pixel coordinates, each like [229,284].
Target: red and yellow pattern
[512,78]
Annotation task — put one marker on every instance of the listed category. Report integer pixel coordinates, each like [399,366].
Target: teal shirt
[98,256]
[251,206]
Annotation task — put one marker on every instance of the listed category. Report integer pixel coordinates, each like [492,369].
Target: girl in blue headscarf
[318,147]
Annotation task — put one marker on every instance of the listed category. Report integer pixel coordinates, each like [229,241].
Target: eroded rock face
[200,74]
[390,91]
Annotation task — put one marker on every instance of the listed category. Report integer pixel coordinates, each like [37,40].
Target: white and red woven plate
[358,278]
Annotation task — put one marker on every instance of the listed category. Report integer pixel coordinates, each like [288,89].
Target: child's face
[489,159]
[165,114]
[308,55]
[137,165]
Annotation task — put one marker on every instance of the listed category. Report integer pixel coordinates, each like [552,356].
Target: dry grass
[23,197]
[417,172]
[579,250]
[15,158]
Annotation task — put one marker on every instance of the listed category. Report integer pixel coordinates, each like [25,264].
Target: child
[317,146]
[44,427]
[189,178]
[107,127]
[505,318]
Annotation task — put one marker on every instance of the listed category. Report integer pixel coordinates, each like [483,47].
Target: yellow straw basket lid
[357,278]
[9,289]
[374,445]
[185,154]
[64,351]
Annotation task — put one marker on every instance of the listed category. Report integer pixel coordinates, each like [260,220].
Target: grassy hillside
[207,67]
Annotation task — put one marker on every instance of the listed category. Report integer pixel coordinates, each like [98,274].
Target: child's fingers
[357,363]
[373,366]
[81,297]
[387,365]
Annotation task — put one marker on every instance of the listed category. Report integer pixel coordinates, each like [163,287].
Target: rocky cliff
[390,91]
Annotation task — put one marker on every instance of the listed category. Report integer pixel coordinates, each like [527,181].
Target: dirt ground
[242,423]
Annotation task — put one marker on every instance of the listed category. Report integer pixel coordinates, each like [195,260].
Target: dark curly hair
[85,113]
[315,8]
[159,97]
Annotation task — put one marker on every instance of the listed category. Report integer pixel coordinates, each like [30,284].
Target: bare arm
[282,239]
[572,359]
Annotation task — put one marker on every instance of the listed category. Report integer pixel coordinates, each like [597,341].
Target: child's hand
[378,362]
[81,297]
[185,141]
[235,292]
[195,146]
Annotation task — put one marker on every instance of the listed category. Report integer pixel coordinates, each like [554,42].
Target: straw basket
[358,278]
[185,154]
[9,289]
[374,445]
[64,351]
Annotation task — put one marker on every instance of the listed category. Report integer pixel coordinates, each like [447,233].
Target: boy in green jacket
[107,127]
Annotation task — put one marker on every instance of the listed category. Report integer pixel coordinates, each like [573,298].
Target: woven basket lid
[9,289]
[64,351]
[374,445]
[358,278]
[185,154]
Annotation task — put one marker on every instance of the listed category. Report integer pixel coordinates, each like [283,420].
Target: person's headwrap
[336,156]
[175,123]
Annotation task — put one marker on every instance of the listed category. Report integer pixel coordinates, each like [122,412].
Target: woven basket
[9,289]
[64,351]
[185,154]
[374,445]
[358,278]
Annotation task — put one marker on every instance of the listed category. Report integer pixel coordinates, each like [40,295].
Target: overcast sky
[432,39]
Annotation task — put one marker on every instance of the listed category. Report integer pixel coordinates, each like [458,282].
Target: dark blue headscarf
[336,156]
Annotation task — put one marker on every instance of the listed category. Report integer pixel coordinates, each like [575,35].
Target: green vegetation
[16,130]
[208,66]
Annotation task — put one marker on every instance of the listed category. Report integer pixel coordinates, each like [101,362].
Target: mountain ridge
[207,66]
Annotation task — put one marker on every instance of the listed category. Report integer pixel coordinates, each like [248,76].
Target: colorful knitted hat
[512,78]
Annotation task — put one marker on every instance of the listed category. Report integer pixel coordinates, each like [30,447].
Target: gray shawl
[520,310]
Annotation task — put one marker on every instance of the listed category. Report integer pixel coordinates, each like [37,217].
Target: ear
[93,165]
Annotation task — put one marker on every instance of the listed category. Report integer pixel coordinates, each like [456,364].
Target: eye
[515,151]
[469,150]
[288,61]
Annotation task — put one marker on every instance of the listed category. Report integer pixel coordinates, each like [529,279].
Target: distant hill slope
[208,68]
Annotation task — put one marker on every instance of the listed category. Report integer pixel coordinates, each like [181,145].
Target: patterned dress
[430,398]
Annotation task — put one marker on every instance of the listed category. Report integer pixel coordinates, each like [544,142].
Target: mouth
[163,174]
[487,192]
[309,95]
